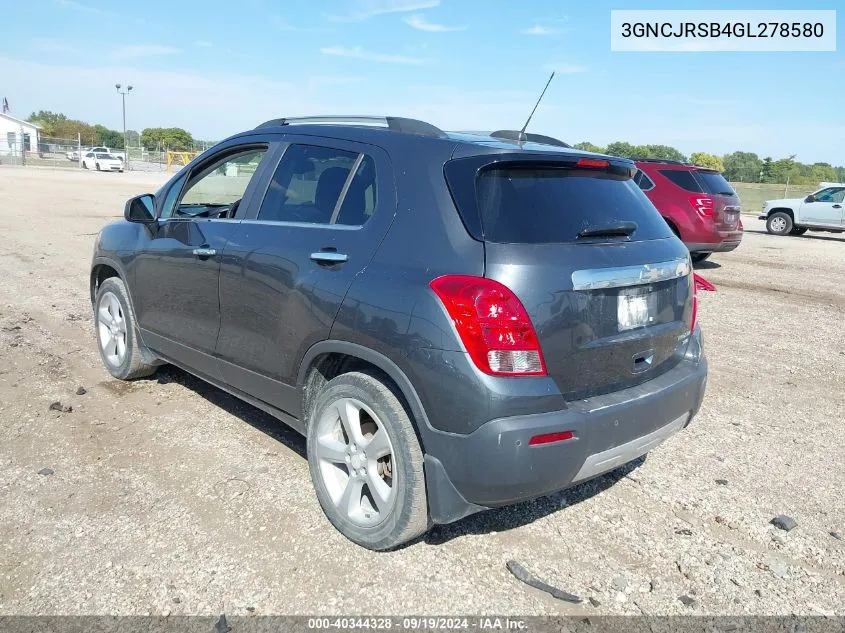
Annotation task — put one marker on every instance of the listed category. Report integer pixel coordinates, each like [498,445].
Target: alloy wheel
[356,462]
[111,329]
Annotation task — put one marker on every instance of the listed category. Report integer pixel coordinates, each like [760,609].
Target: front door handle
[329,257]
[205,252]
[837,206]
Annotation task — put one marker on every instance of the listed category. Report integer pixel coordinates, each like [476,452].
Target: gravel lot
[166,495]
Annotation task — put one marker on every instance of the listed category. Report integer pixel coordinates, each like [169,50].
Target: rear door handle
[205,252]
[328,257]
[837,206]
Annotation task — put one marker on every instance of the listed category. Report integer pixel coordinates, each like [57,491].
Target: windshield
[540,205]
[715,183]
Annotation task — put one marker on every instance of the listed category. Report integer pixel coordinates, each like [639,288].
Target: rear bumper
[723,246]
[496,466]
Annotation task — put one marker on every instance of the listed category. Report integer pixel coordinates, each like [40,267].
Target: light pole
[123,94]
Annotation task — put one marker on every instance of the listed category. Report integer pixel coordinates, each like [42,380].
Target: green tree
[703,159]
[47,120]
[766,170]
[109,138]
[132,138]
[623,149]
[742,166]
[664,151]
[589,147]
[166,137]
[785,170]
[822,172]
[626,150]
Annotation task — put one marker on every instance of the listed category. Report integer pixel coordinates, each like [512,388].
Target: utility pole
[123,94]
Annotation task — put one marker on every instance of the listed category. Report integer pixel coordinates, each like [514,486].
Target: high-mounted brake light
[703,204]
[592,163]
[492,324]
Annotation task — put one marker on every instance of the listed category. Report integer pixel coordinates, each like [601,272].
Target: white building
[11,131]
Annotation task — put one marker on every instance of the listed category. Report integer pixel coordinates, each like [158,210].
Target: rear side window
[642,181]
[540,205]
[321,185]
[715,183]
[683,178]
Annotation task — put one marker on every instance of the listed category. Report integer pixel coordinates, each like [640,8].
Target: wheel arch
[786,210]
[103,268]
[327,359]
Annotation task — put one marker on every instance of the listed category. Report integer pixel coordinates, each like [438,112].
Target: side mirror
[141,209]
[810,198]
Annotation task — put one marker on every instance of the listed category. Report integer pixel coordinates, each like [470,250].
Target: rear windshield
[715,183]
[537,205]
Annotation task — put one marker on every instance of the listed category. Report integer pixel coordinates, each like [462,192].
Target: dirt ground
[165,495]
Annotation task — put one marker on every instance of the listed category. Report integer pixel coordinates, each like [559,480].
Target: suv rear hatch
[710,195]
[607,286]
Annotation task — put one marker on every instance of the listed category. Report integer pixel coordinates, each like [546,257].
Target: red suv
[699,205]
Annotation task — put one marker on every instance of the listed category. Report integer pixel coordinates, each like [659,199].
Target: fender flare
[379,360]
[101,260]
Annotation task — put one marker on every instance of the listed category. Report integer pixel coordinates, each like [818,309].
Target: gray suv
[455,322]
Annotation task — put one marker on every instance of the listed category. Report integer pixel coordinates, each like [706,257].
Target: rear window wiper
[620,229]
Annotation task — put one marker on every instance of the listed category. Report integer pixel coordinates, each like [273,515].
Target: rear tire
[699,257]
[798,230]
[779,223]
[366,462]
[115,330]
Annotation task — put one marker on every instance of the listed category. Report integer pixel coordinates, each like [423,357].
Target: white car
[823,210]
[74,155]
[102,162]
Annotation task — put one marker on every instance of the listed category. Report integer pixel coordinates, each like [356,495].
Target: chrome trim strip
[598,278]
[612,458]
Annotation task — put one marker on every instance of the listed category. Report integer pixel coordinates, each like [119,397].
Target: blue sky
[217,67]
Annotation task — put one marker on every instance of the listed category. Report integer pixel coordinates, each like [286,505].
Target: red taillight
[703,205]
[493,325]
[548,438]
[592,163]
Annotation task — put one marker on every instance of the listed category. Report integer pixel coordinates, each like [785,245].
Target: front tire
[366,462]
[97,166]
[697,258]
[779,223]
[121,350]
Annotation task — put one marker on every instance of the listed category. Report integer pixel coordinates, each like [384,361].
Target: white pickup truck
[823,210]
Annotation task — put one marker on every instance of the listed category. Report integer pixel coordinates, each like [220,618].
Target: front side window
[321,185]
[831,194]
[171,196]
[216,190]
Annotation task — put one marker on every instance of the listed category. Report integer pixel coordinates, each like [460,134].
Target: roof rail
[662,160]
[397,124]
[523,137]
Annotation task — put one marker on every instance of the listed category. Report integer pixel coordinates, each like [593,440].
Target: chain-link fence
[22,149]
[18,148]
